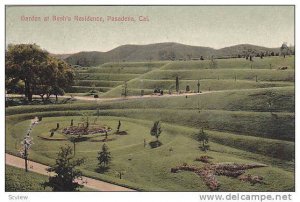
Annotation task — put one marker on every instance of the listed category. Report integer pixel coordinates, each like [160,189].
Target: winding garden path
[41,169]
[90,98]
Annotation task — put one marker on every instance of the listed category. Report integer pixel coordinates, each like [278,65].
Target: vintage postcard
[150,98]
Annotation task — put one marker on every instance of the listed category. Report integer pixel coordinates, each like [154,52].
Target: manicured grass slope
[229,74]
[237,63]
[141,164]
[17,180]
[109,75]
[247,121]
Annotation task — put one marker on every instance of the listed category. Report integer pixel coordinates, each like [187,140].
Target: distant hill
[242,48]
[160,51]
[60,56]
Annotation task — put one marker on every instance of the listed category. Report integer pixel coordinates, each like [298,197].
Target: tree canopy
[41,73]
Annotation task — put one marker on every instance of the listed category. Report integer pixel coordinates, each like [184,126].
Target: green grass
[245,112]
[241,74]
[247,121]
[142,75]
[17,180]
[155,164]
[283,100]
[235,63]
[120,70]
[205,85]
[134,64]
[107,76]
[97,83]
[86,89]
[110,75]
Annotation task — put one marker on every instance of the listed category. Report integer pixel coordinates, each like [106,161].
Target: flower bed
[209,172]
[253,179]
[77,130]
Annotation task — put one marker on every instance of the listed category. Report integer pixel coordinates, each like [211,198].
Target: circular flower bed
[79,130]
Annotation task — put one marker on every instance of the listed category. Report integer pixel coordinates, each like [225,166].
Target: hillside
[160,51]
[247,109]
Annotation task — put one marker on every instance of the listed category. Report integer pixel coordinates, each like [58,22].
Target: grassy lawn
[148,168]
[235,73]
[17,180]
[247,121]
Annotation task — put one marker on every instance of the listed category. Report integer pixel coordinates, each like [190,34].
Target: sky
[210,26]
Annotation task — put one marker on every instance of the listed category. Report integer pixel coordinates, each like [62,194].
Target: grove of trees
[35,72]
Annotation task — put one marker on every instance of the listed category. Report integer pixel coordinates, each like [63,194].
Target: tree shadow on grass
[79,139]
[155,144]
[121,133]
[102,169]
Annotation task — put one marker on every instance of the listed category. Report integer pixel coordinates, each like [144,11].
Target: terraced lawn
[246,108]
[141,163]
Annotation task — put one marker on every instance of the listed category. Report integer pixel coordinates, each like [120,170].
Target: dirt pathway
[90,98]
[41,169]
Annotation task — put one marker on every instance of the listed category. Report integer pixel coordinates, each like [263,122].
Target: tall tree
[65,172]
[104,157]
[23,62]
[42,74]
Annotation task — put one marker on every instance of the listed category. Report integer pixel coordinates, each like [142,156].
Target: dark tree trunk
[25,158]
[56,98]
[177,84]
[28,92]
[26,165]
[74,143]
